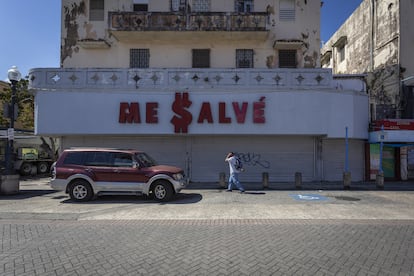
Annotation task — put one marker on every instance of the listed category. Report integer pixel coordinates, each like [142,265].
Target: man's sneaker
[228,190]
[242,191]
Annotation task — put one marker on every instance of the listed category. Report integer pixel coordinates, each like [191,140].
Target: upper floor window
[287,59]
[200,6]
[139,58]
[190,5]
[244,5]
[141,5]
[341,53]
[287,10]
[97,10]
[201,58]
[244,58]
[340,47]
[178,5]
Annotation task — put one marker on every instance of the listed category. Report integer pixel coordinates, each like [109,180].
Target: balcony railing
[199,21]
[118,79]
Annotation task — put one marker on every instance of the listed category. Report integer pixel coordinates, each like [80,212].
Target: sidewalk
[37,200]
[312,186]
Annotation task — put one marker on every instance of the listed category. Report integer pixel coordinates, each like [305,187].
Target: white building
[188,81]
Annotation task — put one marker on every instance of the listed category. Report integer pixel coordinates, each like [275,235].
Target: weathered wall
[407,38]
[380,38]
[173,52]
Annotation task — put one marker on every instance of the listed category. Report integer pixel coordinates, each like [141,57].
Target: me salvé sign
[184,114]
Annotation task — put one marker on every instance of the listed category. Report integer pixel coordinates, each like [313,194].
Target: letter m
[129,113]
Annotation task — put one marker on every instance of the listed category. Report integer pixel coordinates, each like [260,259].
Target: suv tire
[80,190]
[162,191]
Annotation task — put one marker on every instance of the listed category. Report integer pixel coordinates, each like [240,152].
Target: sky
[30,31]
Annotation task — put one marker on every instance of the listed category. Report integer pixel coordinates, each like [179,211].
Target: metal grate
[139,58]
[201,6]
[201,58]
[244,58]
[175,5]
[287,58]
[243,5]
[287,10]
[96,10]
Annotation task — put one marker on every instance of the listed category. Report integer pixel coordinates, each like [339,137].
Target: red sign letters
[130,112]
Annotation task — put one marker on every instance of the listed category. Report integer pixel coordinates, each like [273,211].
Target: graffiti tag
[253,159]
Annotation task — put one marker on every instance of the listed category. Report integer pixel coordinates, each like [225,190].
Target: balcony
[134,26]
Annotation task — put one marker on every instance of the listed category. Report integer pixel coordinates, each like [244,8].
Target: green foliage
[25,102]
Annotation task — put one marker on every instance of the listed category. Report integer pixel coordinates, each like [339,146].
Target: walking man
[235,169]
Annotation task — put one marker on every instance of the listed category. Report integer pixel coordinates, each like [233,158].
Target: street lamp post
[14,77]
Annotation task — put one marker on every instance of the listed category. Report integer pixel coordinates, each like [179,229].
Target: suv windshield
[145,160]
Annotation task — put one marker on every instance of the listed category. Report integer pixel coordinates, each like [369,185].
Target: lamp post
[14,77]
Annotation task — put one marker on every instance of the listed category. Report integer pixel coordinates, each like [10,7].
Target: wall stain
[71,26]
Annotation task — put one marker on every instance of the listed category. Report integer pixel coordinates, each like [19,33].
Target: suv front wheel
[80,190]
[162,191]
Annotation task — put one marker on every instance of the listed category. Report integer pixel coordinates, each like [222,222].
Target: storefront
[294,127]
[397,138]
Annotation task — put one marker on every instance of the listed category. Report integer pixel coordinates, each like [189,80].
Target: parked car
[87,172]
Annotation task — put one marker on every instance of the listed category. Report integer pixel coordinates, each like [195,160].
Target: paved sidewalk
[206,231]
[36,200]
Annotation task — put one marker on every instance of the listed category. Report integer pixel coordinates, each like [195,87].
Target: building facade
[189,81]
[377,41]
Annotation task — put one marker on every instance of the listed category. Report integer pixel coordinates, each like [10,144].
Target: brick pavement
[207,247]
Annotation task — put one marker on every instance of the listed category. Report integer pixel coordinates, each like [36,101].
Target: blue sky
[31,31]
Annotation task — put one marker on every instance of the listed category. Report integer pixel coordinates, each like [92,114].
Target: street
[208,231]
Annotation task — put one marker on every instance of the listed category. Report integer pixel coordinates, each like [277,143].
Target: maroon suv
[86,172]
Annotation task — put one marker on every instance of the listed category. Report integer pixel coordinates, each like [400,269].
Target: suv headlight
[178,176]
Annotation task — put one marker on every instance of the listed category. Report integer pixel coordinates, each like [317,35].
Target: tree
[25,103]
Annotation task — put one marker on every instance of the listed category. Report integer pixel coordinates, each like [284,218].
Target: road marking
[308,197]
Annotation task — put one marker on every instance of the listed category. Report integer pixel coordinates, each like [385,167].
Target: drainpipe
[400,98]
[371,56]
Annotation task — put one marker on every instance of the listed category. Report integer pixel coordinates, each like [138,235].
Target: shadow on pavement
[181,198]
[311,186]
[24,194]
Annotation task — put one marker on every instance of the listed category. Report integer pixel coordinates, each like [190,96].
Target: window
[201,58]
[287,58]
[244,58]
[99,159]
[96,10]
[122,160]
[178,5]
[140,5]
[341,53]
[200,6]
[243,5]
[340,48]
[139,58]
[74,158]
[287,10]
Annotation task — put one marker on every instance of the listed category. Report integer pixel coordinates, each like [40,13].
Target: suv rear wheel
[162,191]
[80,190]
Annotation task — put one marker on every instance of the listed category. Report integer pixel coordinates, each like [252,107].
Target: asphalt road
[208,231]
